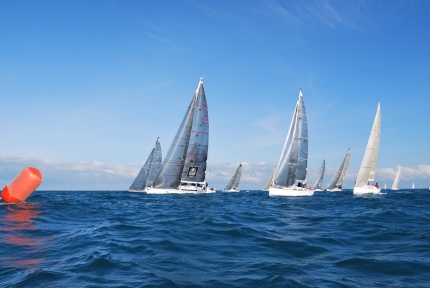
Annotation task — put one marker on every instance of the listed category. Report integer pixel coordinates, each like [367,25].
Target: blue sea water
[246,239]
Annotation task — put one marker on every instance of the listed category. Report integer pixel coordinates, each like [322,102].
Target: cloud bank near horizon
[64,175]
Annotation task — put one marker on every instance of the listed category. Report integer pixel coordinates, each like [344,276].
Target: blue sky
[86,87]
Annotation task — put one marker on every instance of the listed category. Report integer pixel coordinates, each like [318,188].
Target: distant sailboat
[396,180]
[149,171]
[234,181]
[291,173]
[184,168]
[318,183]
[413,185]
[269,183]
[336,184]
[368,165]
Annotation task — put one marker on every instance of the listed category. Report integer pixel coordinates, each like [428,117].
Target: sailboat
[413,185]
[149,171]
[184,169]
[269,183]
[291,173]
[234,181]
[336,184]
[318,183]
[368,165]
[396,180]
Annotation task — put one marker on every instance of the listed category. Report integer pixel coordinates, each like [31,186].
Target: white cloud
[59,175]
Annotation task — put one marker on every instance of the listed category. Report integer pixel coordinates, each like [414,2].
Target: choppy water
[246,239]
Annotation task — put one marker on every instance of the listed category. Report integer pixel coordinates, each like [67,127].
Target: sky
[86,87]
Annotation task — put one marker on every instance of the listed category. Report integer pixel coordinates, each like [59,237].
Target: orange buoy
[22,186]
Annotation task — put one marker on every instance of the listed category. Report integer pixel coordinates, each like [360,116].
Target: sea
[245,239]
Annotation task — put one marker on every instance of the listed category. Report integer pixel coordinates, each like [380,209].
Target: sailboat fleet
[183,170]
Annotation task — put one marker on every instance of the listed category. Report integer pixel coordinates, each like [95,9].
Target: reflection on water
[18,225]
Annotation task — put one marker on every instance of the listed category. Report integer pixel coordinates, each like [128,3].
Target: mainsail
[292,166]
[396,180]
[234,181]
[368,165]
[187,155]
[150,169]
[318,183]
[340,174]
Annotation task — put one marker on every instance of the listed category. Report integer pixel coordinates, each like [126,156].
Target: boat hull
[231,190]
[334,190]
[184,188]
[136,191]
[368,189]
[177,191]
[290,191]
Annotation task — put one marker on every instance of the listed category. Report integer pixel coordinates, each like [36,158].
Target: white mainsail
[149,171]
[336,184]
[396,180]
[184,168]
[368,165]
[234,181]
[318,182]
[291,172]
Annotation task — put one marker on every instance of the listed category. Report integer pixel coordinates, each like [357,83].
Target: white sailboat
[149,171]
[291,173]
[368,165]
[318,183]
[396,180]
[184,169]
[413,185]
[234,181]
[336,184]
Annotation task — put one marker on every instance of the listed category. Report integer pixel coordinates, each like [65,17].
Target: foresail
[172,167]
[376,133]
[155,164]
[344,166]
[368,165]
[302,167]
[235,179]
[318,182]
[286,170]
[197,153]
[396,180]
[340,173]
[270,182]
[140,182]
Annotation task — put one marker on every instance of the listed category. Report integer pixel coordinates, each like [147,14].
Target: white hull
[136,191]
[184,188]
[231,190]
[318,190]
[334,190]
[368,189]
[290,191]
[178,191]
